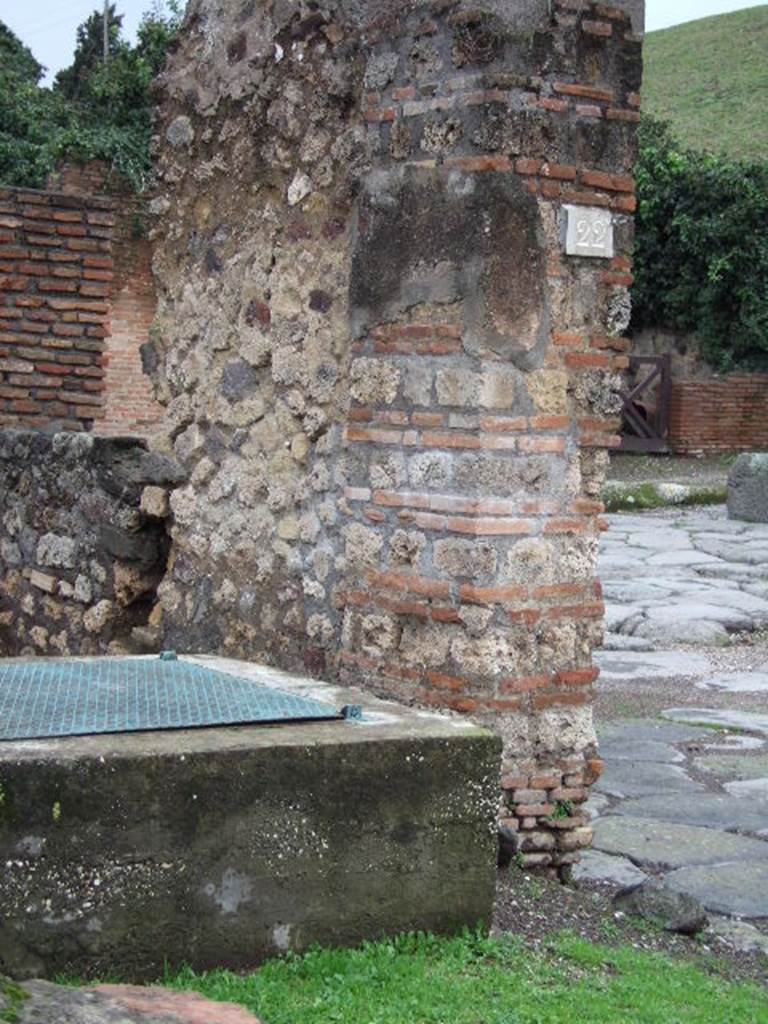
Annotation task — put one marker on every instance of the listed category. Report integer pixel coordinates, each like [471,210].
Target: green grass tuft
[709,78]
[418,979]
[14,997]
[641,497]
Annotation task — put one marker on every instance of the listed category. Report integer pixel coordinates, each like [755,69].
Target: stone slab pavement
[683,576]
[682,714]
[663,808]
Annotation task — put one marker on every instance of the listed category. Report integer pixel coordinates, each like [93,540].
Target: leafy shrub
[701,254]
[95,110]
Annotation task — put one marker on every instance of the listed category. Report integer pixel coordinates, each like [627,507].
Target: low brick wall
[82,540]
[56,270]
[723,414]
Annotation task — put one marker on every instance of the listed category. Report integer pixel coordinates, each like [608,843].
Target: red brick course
[723,414]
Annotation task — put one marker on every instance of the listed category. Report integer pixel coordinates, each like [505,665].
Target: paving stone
[684,612]
[739,888]
[749,721]
[596,866]
[623,778]
[667,908]
[629,666]
[632,591]
[596,804]
[625,749]
[739,934]
[734,742]
[751,553]
[650,729]
[736,682]
[661,540]
[666,845]
[710,810]
[685,558]
[617,614]
[663,632]
[627,522]
[754,606]
[735,766]
[619,642]
[749,788]
[731,570]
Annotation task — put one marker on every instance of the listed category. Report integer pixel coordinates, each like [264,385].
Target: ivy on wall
[701,252]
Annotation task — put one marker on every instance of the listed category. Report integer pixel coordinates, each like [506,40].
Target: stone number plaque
[589,232]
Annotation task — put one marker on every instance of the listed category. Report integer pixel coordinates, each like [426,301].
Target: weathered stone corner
[388,381]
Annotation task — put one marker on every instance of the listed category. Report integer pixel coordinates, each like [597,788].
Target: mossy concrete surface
[221,847]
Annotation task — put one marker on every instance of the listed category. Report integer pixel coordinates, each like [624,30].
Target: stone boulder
[748,488]
[40,1002]
[672,911]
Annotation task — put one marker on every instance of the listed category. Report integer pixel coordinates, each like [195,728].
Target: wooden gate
[646,405]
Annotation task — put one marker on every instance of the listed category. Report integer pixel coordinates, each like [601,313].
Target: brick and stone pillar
[394,249]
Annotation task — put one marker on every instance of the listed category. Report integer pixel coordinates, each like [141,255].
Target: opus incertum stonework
[392,243]
[388,369]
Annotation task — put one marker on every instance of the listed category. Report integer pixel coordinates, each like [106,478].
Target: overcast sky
[48,26]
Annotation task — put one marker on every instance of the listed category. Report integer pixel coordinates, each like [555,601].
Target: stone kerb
[390,384]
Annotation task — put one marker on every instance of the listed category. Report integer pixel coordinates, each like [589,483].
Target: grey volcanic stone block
[672,911]
[224,846]
[738,888]
[595,866]
[748,488]
[667,845]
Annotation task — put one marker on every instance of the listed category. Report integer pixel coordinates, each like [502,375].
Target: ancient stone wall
[391,387]
[83,542]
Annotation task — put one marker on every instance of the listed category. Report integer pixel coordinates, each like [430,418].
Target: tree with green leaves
[73,82]
[17,58]
[95,110]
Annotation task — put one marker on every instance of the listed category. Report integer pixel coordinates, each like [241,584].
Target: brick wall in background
[56,271]
[129,405]
[722,414]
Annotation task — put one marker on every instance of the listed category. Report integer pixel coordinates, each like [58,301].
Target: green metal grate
[106,695]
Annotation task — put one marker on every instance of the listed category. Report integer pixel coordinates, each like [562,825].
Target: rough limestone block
[748,488]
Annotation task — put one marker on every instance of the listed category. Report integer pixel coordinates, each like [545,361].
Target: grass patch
[709,78]
[641,497]
[14,998]
[418,979]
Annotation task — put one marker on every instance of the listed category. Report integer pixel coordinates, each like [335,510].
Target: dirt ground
[534,908]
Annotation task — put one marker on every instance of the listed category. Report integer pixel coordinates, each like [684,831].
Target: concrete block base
[221,847]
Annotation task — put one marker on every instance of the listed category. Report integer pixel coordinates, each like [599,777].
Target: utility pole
[106,31]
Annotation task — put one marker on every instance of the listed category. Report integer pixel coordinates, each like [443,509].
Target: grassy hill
[710,79]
